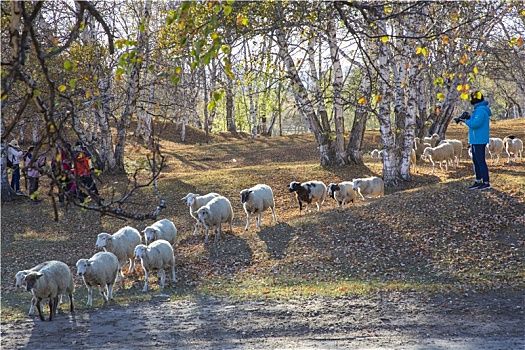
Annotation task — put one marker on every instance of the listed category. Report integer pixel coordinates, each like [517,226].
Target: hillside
[430,234]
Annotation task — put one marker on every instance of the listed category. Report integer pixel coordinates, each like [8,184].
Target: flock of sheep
[449,151]
[52,279]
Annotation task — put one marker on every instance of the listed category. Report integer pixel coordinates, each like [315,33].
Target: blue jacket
[479,124]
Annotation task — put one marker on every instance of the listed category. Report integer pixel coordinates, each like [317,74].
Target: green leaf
[120,71]
[73,83]
[226,49]
[206,58]
[175,79]
[68,66]
[169,20]
[36,93]
[212,105]
[142,27]
[227,10]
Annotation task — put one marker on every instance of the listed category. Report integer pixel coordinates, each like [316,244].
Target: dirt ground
[385,321]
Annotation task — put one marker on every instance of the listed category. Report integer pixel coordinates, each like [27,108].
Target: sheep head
[150,233]
[31,279]
[245,195]
[103,240]
[190,198]
[82,266]
[295,186]
[332,188]
[140,251]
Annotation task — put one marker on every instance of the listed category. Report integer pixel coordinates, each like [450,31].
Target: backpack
[9,161]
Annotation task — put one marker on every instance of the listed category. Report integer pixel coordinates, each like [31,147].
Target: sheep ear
[38,275]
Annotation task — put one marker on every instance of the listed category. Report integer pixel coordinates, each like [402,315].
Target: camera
[462,117]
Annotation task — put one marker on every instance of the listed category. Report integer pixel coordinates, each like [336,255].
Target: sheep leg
[207,231]
[248,215]
[145,289]
[359,191]
[259,220]
[273,213]
[32,308]
[102,291]
[197,225]
[162,278]
[39,308]
[51,308]
[131,266]
[71,306]
[90,296]
[110,291]
[173,277]
[218,233]
[318,206]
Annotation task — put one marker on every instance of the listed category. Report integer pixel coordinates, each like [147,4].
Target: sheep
[442,152]
[309,192]
[370,187]
[52,280]
[256,200]
[19,282]
[513,145]
[162,229]
[342,192]
[433,140]
[458,148]
[377,154]
[121,243]
[156,256]
[195,202]
[100,270]
[495,147]
[213,214]
[419,146]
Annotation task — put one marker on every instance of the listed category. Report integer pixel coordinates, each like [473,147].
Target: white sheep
[458,149]
[162,229]
[256,200]
[370,187]
[100,270]
[419,146]
[195,202]
[19,282]
[122,243]
[495,147]
[51,281]
[342,192]
[377,154]
[212,215]
[309,192]
[513,145]
[432,140]
[440,153]
[156,256]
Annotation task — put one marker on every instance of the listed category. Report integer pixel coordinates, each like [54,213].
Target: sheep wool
[342,192]
[122,243]
[495,147]
[432,140]
[157,256]
[51,281]
[219,210]
[255,200]
[19,282]
[514,146]
[100,270]
[440,153]
[369,187]
[162,229]
[195,202]
[309,192]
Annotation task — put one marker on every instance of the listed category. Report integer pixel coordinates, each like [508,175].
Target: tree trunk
[359,125]
[304,104]
[340,152]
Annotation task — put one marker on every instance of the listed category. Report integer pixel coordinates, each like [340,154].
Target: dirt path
[389,321]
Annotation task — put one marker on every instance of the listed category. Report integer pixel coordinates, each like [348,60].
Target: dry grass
[428,234]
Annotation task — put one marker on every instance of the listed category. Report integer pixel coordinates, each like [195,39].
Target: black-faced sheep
[195,202]
[255,200]
[212,215]
[157,256]
[342,192]
[100,271]
[309,192]
[19,282]
[162,229]
[122,243]
[51,281]
[369,187]
[513,145]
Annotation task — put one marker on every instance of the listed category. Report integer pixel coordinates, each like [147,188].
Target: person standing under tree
[14,154]
[33,174]
[478,138]
[83,167]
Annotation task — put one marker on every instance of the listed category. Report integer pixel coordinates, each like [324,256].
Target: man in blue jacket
[478,137]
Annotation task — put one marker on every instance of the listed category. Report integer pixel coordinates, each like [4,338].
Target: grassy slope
[428,234]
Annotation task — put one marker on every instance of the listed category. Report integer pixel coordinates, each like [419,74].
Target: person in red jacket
[83,167]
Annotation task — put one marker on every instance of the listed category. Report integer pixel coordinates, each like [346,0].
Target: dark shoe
[475,185]
[484,186]
[19,193]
